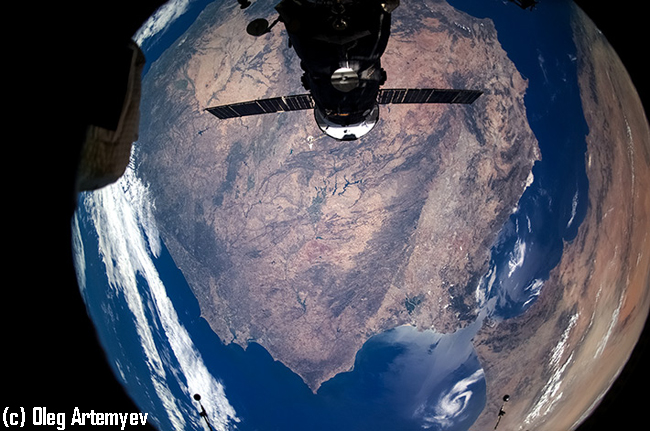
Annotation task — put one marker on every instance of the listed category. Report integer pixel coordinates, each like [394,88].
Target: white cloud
[574,208]
[551,392]
[161,19]
[612,324]
[452,404]
[533,290]
[128,238]
[517,256]
[542,64]
[79,255]
[484,287]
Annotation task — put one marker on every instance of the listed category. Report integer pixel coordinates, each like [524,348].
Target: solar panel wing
[222,112]
[273,105]
[263,106]
[248,108]
[299,101]
[426,95]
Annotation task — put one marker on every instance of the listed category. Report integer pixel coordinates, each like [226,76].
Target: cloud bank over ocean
[128,242]
[453,404]
[161,19]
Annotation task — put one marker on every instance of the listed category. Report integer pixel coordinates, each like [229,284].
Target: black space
[56,59]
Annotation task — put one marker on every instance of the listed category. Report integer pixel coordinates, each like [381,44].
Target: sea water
[402,379]
[540,43]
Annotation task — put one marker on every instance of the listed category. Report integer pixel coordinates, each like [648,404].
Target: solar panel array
[426,95]
[263,106]
[305,101]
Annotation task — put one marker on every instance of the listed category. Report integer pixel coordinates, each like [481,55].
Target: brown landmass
[309,246]
[591,311]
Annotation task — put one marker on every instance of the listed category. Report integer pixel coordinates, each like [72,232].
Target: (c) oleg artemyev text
[40,416]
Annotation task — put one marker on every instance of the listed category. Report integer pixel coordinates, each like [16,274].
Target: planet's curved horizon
[407,280]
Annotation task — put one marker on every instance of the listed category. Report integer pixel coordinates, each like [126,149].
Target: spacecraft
[340,44]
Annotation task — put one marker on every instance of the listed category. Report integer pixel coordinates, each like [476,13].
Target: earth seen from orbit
[406,280]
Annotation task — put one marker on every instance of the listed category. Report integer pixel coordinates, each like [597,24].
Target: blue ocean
[149,322]
[540,43]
